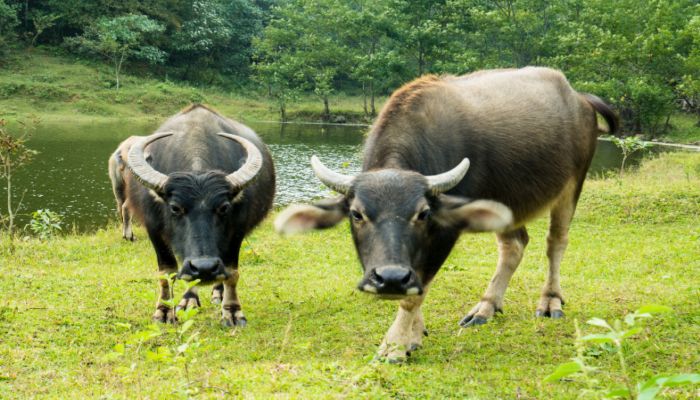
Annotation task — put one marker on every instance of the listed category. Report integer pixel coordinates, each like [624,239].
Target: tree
[303,34]
[8,23]
[215,38]
[121,39]
[14,154]
[41,23]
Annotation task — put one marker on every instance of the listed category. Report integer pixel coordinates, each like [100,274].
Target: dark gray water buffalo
[209,182]
[116,167]
[529,138]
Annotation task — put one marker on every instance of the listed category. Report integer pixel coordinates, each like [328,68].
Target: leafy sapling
[616,334]
[628,146]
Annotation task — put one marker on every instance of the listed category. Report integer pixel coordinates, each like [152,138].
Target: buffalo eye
[423,215]
[223,209]
[176,210]
[356,216]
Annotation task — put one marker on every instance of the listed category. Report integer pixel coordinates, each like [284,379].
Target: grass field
[66,303]
[56,86]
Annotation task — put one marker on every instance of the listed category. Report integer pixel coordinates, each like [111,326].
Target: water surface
[70,173]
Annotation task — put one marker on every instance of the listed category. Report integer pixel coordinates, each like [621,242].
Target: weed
[45,223]
[616,336]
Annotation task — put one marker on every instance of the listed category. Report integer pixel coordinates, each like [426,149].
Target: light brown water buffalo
[529,139]
[116,166]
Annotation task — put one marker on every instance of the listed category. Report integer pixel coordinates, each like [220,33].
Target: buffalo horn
[447,180]
[245,175]
[338,182]
[143,172]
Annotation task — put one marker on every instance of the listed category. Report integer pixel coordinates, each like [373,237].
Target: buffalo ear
[474,216]
[299,218]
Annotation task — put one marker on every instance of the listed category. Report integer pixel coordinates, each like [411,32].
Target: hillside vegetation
[57,86]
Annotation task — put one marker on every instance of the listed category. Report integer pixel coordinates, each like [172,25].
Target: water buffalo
[116,166]
[209,182]
[529,138]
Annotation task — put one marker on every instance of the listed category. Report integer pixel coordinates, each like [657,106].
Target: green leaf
[600,338]
[563,370]
[620,391]
[682,379]
[653,309]
[598,322]
[630,332]
[649,393]
[186,326]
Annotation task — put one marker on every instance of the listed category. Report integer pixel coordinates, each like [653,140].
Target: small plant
[174,347]
[629,145]
[46,224]
[613,340]
[14,154]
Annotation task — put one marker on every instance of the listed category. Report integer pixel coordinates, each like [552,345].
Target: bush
[45,223]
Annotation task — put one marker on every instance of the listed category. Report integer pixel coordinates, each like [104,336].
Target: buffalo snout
[391,280]
[205,269]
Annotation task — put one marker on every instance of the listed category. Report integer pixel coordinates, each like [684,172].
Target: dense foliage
[642,55]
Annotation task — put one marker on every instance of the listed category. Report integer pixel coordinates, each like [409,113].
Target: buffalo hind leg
[406,333]
[511,246]
[217,293]
[127,231]
[551,299]
[231,312]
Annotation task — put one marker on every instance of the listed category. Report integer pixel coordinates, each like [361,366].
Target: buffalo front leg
[551,299]
[217,293]
[189,300]
[511,246]
[231,312]
[406,333]
[164,312]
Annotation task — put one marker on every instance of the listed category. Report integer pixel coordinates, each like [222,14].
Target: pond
[69,175]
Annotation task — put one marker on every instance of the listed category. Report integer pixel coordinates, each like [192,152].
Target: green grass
[311,335]
[684,129]
[60,87]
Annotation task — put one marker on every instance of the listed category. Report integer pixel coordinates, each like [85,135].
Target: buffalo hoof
[234,322]
[164,315]
[555,314]
[189,301]
[472,320]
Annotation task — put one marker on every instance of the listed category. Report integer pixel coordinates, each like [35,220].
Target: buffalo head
[197,208]
[402,223]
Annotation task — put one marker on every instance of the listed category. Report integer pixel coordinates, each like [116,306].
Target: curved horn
[246,174]
[338,182]
[136,161]
[447,180]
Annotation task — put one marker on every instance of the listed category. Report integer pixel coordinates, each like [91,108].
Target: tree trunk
[10,212]
[371,92]
[364,98]
[667,124]
[326,109]
[283,112]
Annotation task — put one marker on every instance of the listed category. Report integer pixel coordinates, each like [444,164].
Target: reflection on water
[70,173]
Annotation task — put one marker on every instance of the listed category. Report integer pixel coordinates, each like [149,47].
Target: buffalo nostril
[377,278]
[406,279]
[193,268]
